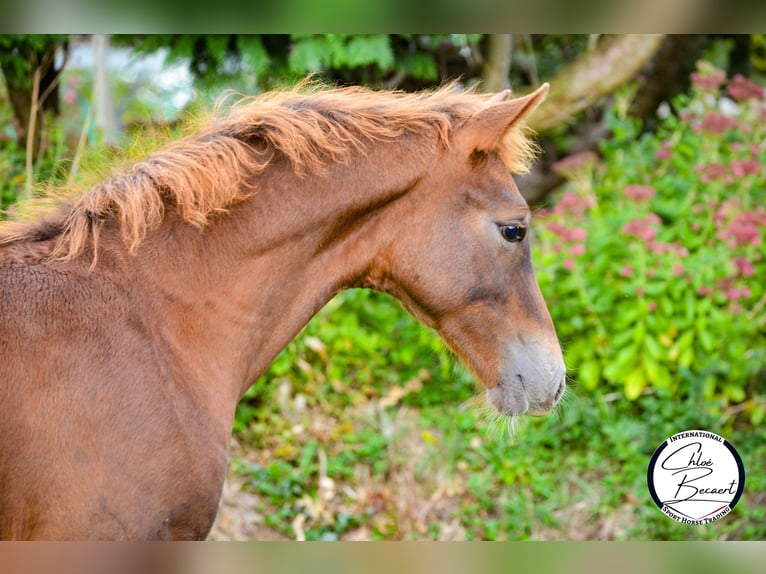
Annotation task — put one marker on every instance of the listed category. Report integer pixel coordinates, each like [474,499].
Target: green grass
[417,471]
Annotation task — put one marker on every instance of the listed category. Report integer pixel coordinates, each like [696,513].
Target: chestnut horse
[133,319]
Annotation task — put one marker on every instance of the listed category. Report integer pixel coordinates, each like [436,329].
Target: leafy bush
[361,345]
[652,260]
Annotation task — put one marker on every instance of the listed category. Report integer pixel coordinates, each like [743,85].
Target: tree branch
[595,74]
[31,134]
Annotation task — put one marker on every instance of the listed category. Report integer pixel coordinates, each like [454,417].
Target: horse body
[119,375]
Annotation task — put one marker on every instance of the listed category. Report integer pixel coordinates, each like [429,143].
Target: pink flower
[569,264]
[711,171]
[661,248]
[680,249]
[735,308]
[664,152]
[758,216]
[704,291]
[651,306]
[639,193]
[685,116]
[571,203]
[578,234]
[678,270]
[744,266]
[626,271]
[577,249]
[743,230]
[726,208]
[737,293]
[642,228]
[742,167]
[558,229]
[658,247]
[708,81]
[573,235]
[741,89]
[576,162]
[716,123]
[70,97]
[724,284]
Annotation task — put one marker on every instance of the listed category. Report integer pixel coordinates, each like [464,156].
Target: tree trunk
[667,73]
[103,104]
[497,65]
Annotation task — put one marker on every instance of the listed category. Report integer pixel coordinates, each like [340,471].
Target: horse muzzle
[529,384]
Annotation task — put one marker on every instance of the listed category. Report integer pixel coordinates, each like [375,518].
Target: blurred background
[648,245]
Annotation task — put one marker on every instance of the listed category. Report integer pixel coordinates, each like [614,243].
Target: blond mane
[311,127]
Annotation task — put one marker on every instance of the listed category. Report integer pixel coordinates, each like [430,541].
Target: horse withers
[133,319]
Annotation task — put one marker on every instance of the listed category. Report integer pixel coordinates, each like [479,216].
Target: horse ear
[487,127]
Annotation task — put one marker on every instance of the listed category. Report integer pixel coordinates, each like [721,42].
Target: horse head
[460,262]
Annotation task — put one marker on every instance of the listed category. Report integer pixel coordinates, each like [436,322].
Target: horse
[135,315]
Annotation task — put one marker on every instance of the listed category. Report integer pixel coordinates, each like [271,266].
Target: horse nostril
[559,391]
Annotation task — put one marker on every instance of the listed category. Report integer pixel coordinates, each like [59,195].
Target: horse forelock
[209,172]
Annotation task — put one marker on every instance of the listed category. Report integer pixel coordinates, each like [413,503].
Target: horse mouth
[518,397]
[542,410]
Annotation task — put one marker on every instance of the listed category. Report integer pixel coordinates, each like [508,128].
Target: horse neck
[232,297]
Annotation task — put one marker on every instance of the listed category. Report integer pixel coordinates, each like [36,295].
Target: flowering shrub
[652,260]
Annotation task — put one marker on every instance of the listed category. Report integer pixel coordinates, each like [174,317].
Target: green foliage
[49,166]
[265,61]
[19,53]
[310,53]
[652,262]
[358,346]
[758,52]
[11,161]
[549,53]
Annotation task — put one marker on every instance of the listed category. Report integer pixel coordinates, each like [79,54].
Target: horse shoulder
[93,421]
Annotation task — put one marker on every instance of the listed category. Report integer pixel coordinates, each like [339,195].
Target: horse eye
[513,233]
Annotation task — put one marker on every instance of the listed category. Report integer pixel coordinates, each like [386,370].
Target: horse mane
[312,127]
